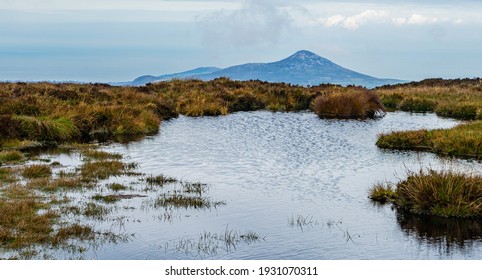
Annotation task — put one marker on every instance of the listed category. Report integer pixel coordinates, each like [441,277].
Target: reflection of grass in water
[209,244]
[197,188]
[301,221]
[112,198]
[96,211]
[182,201]
[160,180]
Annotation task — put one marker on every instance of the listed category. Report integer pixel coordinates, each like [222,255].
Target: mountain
[302,68]
[194,73]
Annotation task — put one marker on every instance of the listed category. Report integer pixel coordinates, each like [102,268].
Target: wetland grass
[459,98]
[93,154]
[182,201]
[95,211]
[382,192]
[77,231]
[350,103]
[117,187]
[37,171]
[464,140]
[445,193]
[210,244]
[160,180]
[11,156]
[104,169]
[196,188]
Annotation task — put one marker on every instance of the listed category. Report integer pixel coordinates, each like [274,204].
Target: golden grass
[350,103]
[37,171]
[465,140]
[459,99]
[445,193]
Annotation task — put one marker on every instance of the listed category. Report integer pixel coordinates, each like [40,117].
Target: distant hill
[194,73]
[302,68]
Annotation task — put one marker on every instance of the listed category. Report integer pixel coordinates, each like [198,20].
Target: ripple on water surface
[271,167]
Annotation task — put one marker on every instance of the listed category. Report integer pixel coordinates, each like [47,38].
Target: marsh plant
[445,193]
[464,140]
[458,98]
[351,103]
[210,244]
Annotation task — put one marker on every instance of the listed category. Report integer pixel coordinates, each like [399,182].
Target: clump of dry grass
[37,171]
[11,156]
[21,224]
[104,169]
[444,193]
[355,103]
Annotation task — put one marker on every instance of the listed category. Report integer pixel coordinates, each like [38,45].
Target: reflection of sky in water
[272,167]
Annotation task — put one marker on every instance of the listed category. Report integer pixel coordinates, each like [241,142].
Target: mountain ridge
[301,68]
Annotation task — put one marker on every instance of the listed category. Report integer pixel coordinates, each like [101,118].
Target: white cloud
[419,19]
[354,22]
[334,20]
[256,22]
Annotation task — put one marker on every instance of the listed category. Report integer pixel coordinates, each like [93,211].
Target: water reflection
[444,234]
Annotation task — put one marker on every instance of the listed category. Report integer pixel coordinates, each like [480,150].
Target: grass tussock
[21,223]
[92,154]
[351,103]
[439,193]
[37,171]
[104,169]
[11,156]
[382,192]
[117,187]
[464,140]
[77,231]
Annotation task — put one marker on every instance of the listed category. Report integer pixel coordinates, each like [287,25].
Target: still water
[297,182]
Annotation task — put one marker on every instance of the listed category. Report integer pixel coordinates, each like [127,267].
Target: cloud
[254,23]
[354,22]
[417,19]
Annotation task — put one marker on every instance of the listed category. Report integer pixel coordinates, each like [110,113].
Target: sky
[119,40]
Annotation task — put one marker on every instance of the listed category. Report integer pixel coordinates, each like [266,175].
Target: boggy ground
[38,115]
[47,209]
